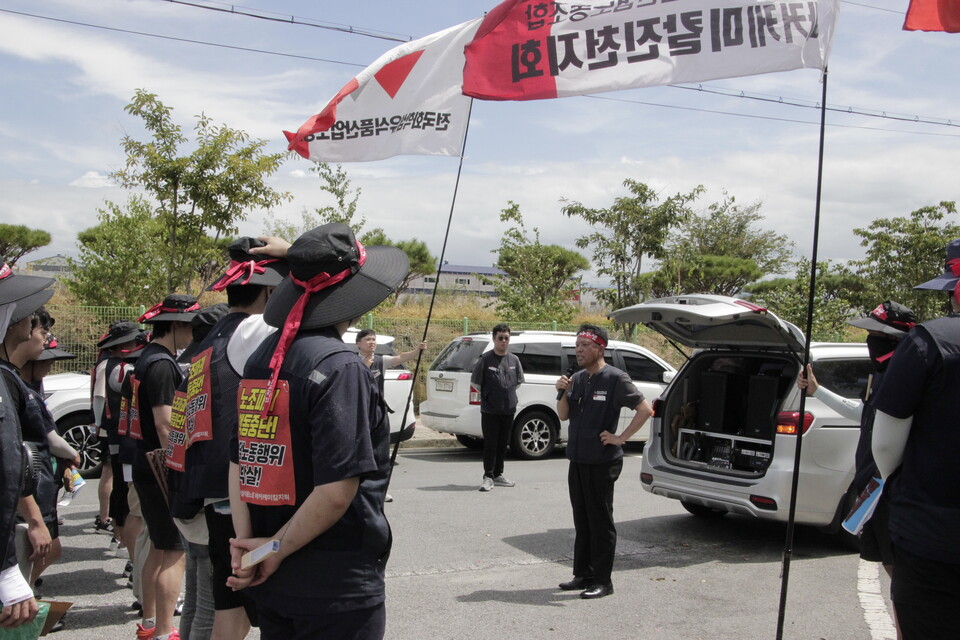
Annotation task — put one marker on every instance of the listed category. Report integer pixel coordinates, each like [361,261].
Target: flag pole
[788,544]
[436,284]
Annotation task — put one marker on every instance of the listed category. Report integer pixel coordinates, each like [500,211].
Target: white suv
[725,431]
[453,404]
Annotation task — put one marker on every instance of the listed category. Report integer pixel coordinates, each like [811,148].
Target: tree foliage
[539,280]
[17,240]
[901,253]
[788,297]
[198,196]
[422,262]
[720,251]
[634,227]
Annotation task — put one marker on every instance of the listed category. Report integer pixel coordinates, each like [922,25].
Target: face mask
[881,349]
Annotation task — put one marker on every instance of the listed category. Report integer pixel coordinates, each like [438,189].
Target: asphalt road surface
[468,565]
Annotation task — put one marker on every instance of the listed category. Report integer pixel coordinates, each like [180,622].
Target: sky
[67,75]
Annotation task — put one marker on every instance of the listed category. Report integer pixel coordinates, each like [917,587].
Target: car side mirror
[668,376]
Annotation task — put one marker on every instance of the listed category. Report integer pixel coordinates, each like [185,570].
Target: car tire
[75,429]
[534,435]
[702,511]
[470,442]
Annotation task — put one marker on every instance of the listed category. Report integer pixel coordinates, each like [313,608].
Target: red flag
[532,50]
[933,15]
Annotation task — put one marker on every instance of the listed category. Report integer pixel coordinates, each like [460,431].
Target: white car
[725,431]
[453,404]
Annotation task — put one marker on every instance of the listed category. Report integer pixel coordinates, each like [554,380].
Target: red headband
[5,271]
[158,308]
[237,270]
[590,335]
[880,313]
[317,283]
[954,266]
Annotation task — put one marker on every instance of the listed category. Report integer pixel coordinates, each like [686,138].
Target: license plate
[444,385]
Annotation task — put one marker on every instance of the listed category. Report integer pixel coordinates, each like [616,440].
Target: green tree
[422,262]
[199,196]
[17,240]
[901,253]
[634,227]
[788,297]
[539,278]
[720,251]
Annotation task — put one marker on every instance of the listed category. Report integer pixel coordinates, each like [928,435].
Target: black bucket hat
[120,332]
[892,318]
[176,307]
[29,292]
[349,279]
[52,351]
[951,274]
[251,268]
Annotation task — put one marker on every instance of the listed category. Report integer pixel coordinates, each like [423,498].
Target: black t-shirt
[595,402]
[924,493]
[498,378]
[158,382]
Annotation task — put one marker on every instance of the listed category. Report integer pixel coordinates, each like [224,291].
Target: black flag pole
[788,544]
[436,284]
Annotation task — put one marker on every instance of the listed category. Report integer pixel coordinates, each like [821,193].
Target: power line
[273,16]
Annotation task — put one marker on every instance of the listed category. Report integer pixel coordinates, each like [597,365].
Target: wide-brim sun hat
[951,274]
[891,318]
[247,268]
[176,307]
[120,332]
[28,292]
[52,351]
[369,275]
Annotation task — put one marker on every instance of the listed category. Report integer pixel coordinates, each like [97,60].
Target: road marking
[875,612]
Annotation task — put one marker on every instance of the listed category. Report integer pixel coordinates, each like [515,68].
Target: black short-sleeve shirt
[595,402]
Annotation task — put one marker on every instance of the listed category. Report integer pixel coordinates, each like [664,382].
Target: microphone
[569,373]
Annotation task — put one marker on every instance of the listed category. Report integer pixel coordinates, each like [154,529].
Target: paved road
[470,565]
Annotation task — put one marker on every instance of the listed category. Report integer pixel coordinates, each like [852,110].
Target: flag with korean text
[407,102]
[933,15]
[535,49]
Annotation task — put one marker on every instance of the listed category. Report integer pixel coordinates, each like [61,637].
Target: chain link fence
[78,329]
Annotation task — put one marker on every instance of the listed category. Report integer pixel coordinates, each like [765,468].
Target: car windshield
[459,355]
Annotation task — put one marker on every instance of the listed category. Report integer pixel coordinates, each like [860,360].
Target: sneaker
[173,635]
[103,526]
[487,483]
[501,481]
[389,498]
[128,570]
[178,610]
[144,633]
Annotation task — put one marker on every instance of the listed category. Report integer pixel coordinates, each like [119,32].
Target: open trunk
[723,414]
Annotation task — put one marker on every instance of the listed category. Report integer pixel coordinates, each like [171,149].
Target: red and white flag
[407,102]
[933,15]
[536,49]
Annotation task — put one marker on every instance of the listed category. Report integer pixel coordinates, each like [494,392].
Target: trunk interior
[722,412]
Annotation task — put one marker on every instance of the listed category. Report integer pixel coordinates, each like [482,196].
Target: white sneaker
[487,483]
[501,481]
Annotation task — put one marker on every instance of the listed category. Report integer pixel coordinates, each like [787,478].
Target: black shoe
[597,591]
[136,606]
[578,582]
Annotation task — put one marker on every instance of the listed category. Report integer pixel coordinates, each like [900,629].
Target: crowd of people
[247,459]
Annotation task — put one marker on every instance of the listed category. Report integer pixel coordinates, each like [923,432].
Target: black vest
[11,472]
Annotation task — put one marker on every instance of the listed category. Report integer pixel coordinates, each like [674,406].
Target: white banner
[407,102]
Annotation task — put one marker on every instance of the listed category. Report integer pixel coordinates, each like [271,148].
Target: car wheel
[702,511]
[534,435]
[75,429]
[470,442]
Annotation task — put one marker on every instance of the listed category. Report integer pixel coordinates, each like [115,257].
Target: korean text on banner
[532,50]
[407,102]
[933,15]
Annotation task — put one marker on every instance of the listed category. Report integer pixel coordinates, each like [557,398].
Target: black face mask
[878,347]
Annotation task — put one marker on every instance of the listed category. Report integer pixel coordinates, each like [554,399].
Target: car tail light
[657,406]
[763,502]
[646,478]
[474,395]
[405,376]
[788,422]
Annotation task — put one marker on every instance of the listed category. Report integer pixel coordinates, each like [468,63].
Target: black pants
[363,624]
[591,497]
[496,434]
[926,595]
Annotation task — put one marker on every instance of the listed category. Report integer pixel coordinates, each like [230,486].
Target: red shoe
[174,634]
[143,633]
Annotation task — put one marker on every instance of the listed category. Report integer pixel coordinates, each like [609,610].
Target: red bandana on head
[590,335]
[880,313]
[317,283]
[237,270]
[158,308]
[954,266]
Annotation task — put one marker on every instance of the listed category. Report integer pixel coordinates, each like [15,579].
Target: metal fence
[78,329]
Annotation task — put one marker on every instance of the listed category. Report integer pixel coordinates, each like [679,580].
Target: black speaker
[761,405]
[713,400]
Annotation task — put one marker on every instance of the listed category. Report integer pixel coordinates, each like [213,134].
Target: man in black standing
[592,400]
[915,443]
[497,375]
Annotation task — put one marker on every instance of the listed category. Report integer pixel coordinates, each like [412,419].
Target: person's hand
[423,346]
[14,615]
[611,438]
[563,383]
[75,464]
[808,381]
[39,538]
[275,247]
[243,578]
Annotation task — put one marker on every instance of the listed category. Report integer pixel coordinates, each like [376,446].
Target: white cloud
[93,180]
